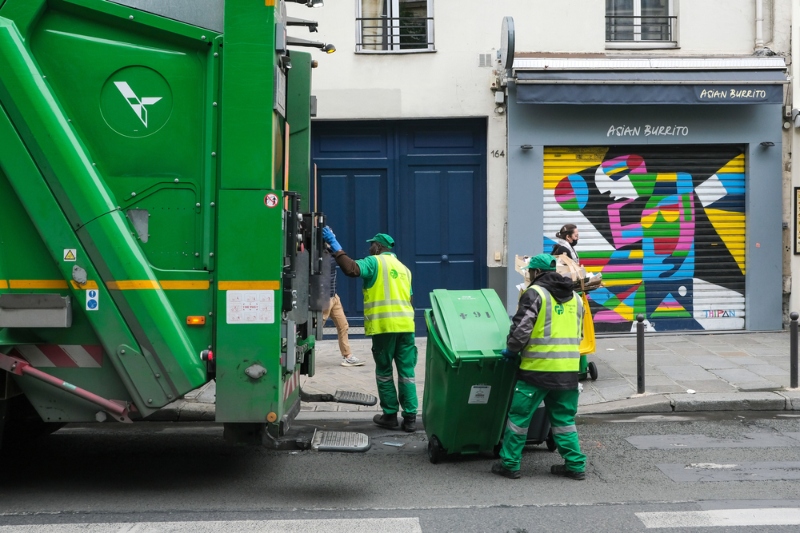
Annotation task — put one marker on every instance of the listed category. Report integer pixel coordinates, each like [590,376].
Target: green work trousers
[400,348]
[561,405]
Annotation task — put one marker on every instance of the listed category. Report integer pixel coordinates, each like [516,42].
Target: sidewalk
[687,372]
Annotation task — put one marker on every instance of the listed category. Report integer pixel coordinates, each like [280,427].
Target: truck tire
[22,424]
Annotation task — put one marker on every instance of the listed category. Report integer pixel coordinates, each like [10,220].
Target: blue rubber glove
[330,239]
[508,355]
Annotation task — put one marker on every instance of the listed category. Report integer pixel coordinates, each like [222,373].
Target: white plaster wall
[732,30]
[790,214]
[450,83]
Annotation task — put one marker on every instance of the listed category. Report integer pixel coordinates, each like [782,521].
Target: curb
[740,401]
[785,400]
[642,404]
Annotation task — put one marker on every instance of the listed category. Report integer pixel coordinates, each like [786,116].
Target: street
[645,471]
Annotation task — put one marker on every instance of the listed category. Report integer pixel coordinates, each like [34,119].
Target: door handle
[445,258]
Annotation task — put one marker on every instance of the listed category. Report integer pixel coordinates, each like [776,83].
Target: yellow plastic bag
[587,343]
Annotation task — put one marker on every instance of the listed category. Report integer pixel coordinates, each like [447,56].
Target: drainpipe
[759,25]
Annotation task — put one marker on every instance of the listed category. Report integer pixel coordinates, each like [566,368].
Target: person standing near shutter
[566,241]
[546,331]
[389,320]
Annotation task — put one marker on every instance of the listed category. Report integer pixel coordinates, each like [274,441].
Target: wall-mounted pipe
[759,24]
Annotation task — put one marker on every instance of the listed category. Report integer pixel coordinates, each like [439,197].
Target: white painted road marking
[357,525]
[722,518]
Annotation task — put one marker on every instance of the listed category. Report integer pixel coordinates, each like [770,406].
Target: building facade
[663,136]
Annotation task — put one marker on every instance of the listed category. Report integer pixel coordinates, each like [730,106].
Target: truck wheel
[22,423]
[435,450]
[550,441]
[593,371]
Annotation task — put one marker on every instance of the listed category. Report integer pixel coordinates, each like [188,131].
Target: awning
[646,81]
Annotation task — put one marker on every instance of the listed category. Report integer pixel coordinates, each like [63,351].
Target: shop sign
[730,94]
[647,130]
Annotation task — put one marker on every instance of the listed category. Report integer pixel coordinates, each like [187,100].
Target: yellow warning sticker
[70,254]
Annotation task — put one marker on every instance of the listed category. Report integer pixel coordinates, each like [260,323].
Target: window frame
[637,42]
[395,33]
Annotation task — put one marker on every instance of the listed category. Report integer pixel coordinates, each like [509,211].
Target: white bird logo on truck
[138,105]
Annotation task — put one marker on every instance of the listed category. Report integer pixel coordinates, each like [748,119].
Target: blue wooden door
[424,183]
[342,189]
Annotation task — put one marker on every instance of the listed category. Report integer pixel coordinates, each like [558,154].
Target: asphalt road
[669,473]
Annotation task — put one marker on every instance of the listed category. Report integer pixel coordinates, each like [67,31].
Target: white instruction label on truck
[479,394]
[250,307]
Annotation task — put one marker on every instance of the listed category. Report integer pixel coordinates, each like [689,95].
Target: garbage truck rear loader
[157,228]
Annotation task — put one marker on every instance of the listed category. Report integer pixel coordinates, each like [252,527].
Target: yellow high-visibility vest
[387,304]
[556,335]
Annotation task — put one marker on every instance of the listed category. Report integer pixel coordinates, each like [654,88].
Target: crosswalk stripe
[345,525]
[722,518]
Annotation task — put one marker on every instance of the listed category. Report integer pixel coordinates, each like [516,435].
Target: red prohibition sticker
[271,200]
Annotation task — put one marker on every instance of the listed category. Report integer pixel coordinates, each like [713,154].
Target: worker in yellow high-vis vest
[545,337]
[389,320]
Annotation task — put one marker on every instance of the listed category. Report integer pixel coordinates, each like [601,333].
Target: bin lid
[471,324]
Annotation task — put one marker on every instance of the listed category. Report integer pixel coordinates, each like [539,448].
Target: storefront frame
[756,127]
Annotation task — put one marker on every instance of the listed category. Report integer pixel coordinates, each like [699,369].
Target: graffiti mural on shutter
[665,225]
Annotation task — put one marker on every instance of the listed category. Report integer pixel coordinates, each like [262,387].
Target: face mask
[574,243]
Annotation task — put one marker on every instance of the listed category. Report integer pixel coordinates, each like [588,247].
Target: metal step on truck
[158,221]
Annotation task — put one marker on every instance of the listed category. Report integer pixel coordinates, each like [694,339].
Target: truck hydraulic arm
[19,367]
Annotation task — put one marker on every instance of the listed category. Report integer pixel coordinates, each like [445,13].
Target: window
[640,24]
[394,25]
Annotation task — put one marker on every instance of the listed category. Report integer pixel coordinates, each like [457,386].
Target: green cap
[383,239]
[542,262]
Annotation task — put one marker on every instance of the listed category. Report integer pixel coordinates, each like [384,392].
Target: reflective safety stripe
[548,313]
[516,429]
[371,305]
[384,378]
[564,429]
[90,284]
[406,380]
[133,285]
[555,354]
[397,314]
[554,342]
[249,285]
[37,284]
[179,285]
[550,364]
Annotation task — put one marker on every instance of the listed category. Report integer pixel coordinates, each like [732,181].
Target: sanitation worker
[546,331]
[389,320]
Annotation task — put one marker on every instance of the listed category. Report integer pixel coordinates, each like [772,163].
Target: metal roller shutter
[665,225]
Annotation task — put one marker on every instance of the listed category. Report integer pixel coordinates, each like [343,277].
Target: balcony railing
[641,29]
[395,33]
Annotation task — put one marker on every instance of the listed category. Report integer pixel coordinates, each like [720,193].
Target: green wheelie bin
[467,382]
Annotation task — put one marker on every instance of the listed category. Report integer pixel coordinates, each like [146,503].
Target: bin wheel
[550,441]
[593,371]
[435,450]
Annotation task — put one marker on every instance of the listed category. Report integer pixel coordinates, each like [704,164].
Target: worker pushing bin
[467,382]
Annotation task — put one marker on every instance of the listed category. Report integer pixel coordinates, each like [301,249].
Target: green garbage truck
[158,221]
